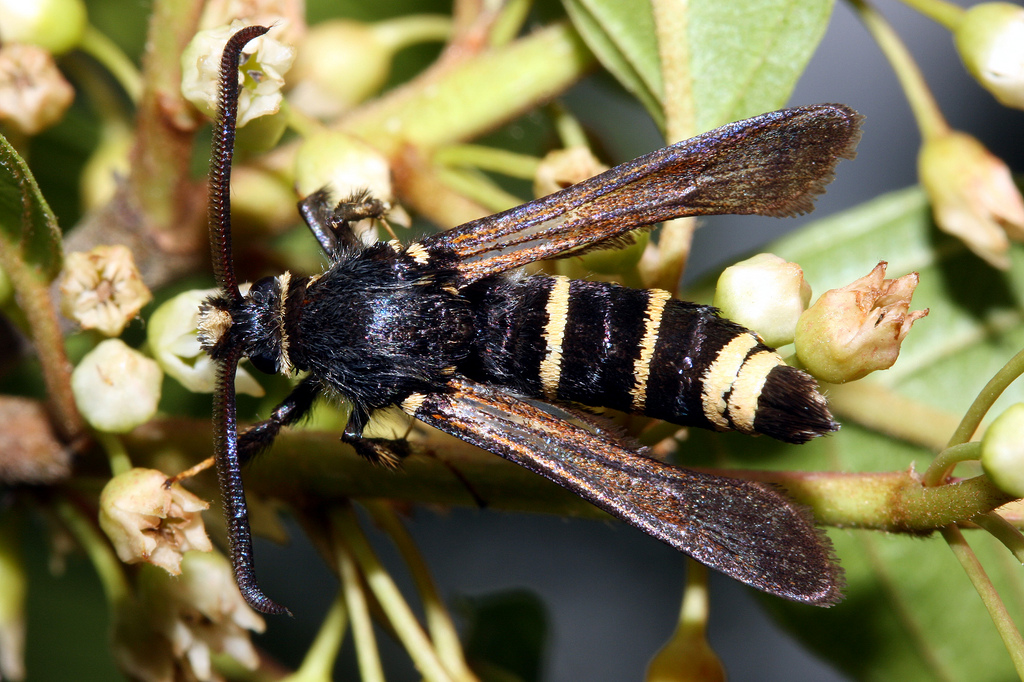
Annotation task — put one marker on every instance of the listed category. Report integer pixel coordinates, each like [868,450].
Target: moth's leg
[332,225]
[261,435]
[382,451]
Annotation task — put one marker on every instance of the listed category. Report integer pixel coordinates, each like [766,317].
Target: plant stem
[390,599]
[486,158]
[989,595]
[318,663]
[945,13]
[439,622]
[936,474]
[109,54]
[1003,531]
[108,567]
[370,669]
[415,28]
[120,462]
[926,110]
[308,464]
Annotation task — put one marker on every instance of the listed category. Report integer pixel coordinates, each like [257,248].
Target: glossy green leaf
[622,35]
[910,611]
[29,234]
[744,56]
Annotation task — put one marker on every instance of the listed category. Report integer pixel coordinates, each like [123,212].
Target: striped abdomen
[641,351]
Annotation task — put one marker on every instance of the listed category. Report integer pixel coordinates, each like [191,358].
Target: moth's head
[253,324]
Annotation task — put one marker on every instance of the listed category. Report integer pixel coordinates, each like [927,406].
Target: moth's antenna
[225,429]
[220,161]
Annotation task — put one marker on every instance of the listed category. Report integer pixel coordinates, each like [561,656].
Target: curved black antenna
[225,428]
[220,161]
[229,477]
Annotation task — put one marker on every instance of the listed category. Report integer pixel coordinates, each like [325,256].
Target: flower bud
[54,25]
[201,613]
[344,165]
[150,521]
[106,166]
[102,289]
[1002,451]
[766,294]
[973,196]
[363,52]
[564,167]
[33,93]
[990,38]
[173,339]
[854,330]
[261,72]
[116,388]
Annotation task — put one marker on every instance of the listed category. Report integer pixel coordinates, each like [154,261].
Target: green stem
[109,54]
[510,22]
[570,131]
[693,616]
[989,595]
[33,297]
[108,567]
[478,188]
[370,669]
[462,98]
[1003,531]
[310,465]
[442,630]
[401,617]
[926,110]
[409,30]
[120,462]
[976,412]
[940,11]
[950,457]
[502,161]
[318,663]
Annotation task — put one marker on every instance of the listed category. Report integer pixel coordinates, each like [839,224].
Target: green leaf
[621,33]
[910,611]
[746,55]
[29,235]
[742,57]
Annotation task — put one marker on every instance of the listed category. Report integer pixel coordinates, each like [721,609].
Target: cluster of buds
[848,333]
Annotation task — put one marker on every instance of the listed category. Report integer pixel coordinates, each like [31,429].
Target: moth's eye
[262,288]
[268,363]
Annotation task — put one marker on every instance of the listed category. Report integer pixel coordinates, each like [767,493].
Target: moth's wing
[773,164]
[749,531]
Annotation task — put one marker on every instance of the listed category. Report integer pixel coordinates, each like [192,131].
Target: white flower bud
[54,25]
[33,93]
[990,39]
[149,521]
[766,294]
[261,72]
[173,339]
[116,388]
[973,196]
[202,613]
[102,289]
[1002,450]
[344,164]
[857,329]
